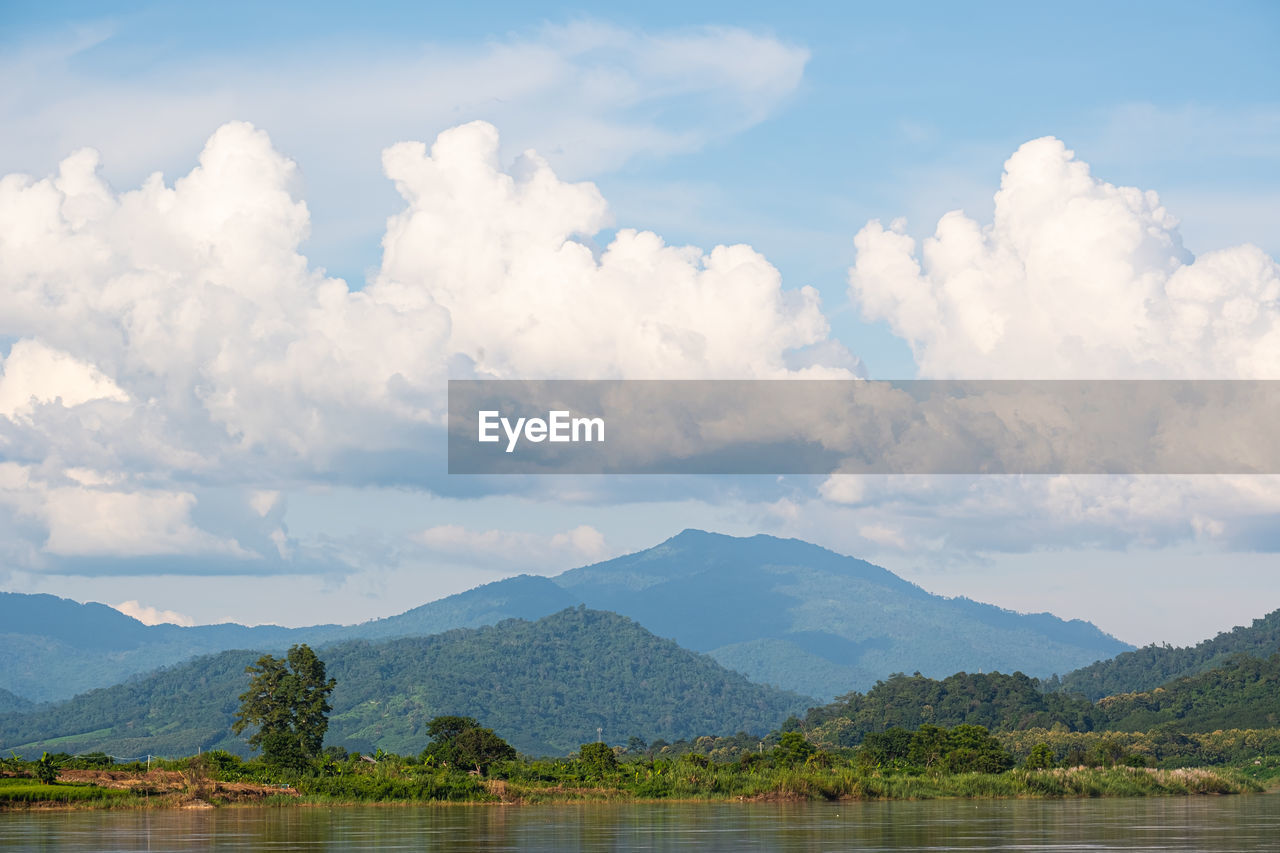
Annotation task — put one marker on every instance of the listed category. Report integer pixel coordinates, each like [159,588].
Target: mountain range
[781,611]
[657,644]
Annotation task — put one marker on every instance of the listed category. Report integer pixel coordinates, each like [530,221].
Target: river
[1232,823]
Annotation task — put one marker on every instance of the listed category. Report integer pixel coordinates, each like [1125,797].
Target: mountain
[781,611]
[545,686]
[520,597]
[1152,666]
[13,702]
[52,648]
[801,617]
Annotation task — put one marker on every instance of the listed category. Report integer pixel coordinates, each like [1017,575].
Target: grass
[29,791]
[729,783]
[541,783]
[1263,770]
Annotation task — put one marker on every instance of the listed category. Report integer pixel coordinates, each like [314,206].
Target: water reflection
[1239,823]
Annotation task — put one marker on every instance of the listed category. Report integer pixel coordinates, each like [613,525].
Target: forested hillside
[12,702]
[1243,693]
[544,686]
[1151,666]
[999,702]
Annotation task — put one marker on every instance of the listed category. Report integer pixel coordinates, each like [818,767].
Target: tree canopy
[463,742]
[288,701]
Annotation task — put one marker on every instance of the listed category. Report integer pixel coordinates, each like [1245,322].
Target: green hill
[1243,693]
[1152,666]
[994,700]
[545,686]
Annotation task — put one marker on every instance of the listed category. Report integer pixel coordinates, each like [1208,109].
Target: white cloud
[34,374]
[590,96]
[189,339]
[884,535]
[148,615]
[263,500]
[1073,278]
[525,299]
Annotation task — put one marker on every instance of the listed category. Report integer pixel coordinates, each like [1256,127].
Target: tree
[1041,757]
[793,747]
[288,700]
[46,770]
[972,749]
[463,742]
[598,758]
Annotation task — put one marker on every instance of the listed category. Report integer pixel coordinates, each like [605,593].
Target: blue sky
[785,129]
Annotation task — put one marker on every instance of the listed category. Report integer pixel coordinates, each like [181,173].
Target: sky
[242,250]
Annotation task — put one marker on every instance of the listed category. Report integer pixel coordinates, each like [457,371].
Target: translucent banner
[864,427]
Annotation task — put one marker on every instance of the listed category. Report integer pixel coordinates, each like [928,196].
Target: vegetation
[544,687]
[1244,693]
[1163,746]
[13,702]
[288,702]
[464,743]
[1149,667]
[964,761]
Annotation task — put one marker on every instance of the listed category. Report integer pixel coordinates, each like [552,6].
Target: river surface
[1234,823]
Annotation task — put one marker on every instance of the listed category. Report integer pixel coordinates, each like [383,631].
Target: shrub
[597,758]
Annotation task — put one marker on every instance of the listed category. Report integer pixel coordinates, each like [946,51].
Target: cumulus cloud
[85,516]
[966,515]
[1073,278]
[34,374]
[589,95]
[148,615]
[498,252]
[175,334]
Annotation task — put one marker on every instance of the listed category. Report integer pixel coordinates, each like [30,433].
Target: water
[1218,824]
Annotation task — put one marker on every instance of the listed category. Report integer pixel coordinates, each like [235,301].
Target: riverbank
[166,789]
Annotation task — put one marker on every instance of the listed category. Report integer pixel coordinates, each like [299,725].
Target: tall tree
[288,701]
[463,742]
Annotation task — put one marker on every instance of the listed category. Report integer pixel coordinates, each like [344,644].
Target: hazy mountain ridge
[10,702]
[802,617]
[52,648]
[545,686]
[783,612]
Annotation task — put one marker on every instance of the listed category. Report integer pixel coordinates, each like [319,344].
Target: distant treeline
[1243,693]
[1151,666]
